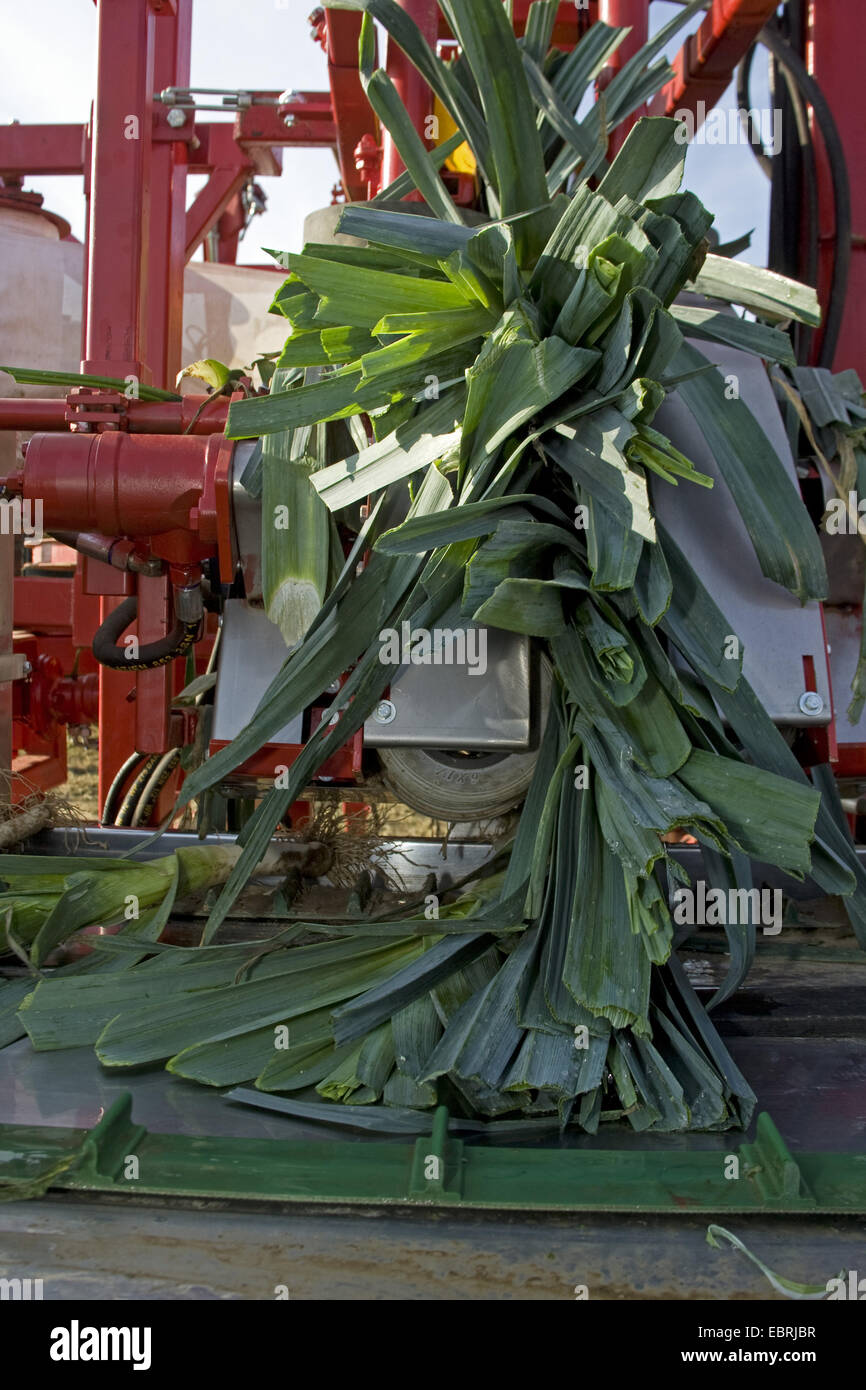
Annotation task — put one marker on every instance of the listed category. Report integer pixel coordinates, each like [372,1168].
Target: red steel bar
[623,14]
[120,190]
[708,59]
[412,89]
[834,57]
[210,203]
[167,250]
[352,115]
[142,417]
[42,149]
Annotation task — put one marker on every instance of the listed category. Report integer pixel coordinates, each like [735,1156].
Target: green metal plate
[120,1156]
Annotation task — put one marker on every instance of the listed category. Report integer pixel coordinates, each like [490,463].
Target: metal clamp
[184,99]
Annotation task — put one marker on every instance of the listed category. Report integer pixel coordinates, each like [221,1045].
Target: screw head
[385,712]
[811,702]
[176,117]
[289,120]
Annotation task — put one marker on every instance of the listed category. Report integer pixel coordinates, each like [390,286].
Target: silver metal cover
[252,651]
[775,631]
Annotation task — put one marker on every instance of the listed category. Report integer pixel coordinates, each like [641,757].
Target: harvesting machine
[155,534]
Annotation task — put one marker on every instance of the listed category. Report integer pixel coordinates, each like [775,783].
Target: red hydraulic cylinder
[412,89]
[138,486]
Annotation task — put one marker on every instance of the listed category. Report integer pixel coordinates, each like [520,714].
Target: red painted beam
[624,14]
[141,417]
[708,59]
[411,87]
[167,250]
[120,192]
[572,20]
[834,56]
[43,604]
[211,202]
[312,123]
[42,149]
[352,115]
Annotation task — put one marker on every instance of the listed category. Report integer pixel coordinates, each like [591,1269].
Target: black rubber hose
[793,63]
[794,178]
[149,797]
[130,801]
[805,158]
[152,654]
[109,810]
[756,144]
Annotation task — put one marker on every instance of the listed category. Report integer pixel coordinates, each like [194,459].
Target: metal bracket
[772,1168]
[437,1164]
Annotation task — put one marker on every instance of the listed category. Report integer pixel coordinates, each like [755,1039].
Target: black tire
[452,786]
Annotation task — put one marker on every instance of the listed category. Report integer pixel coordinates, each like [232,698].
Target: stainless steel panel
[449,706]
[775,631]
[252,651]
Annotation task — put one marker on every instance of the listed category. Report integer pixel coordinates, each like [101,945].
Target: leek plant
[511,373]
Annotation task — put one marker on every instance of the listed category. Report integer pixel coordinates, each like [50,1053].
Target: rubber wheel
[450,785]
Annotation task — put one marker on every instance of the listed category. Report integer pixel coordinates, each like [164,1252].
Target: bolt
[385,712]
[176,117]
[289,120]
[811,702]
[26,669]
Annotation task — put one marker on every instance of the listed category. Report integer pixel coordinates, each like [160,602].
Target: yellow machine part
[462,161]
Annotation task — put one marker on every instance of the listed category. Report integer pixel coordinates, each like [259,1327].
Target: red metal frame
[833,55]
[628,14]
[706,62]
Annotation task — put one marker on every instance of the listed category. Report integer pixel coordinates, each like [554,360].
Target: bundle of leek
[518,367]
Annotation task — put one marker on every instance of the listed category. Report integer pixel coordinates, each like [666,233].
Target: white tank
[225,306]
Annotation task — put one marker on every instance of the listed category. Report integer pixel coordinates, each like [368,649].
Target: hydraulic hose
[130,802]
[791,62]
[149,797]
[109,810]
[149,656]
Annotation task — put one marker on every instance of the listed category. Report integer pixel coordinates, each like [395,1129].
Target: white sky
[47,74]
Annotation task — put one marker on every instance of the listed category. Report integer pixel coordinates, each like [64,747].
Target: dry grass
[82,783]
